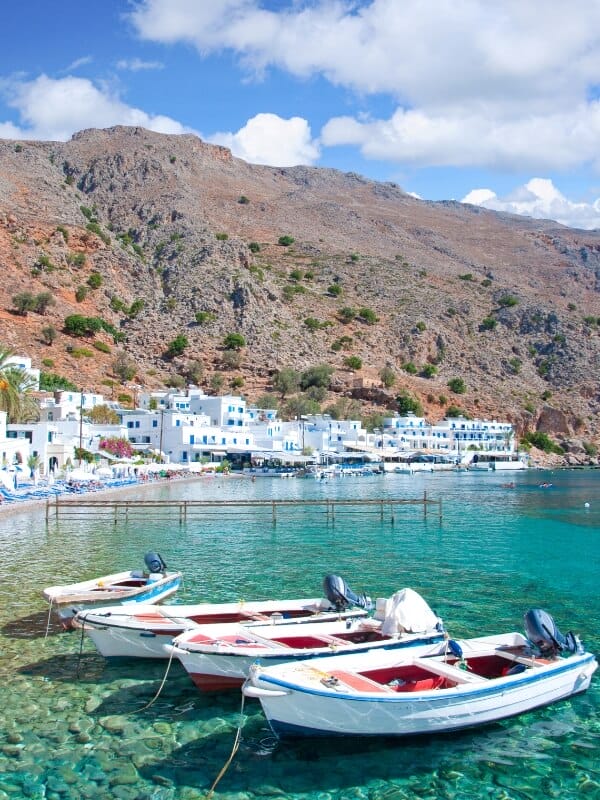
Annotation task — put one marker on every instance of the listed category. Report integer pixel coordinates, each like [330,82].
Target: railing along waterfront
[124,510]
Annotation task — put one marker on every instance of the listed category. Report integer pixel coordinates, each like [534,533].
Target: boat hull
[144,632]
[110,591]
[220,670]
[307,707]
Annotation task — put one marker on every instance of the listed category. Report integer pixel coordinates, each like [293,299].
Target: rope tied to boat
[48,620]
[160,688]
[234,749]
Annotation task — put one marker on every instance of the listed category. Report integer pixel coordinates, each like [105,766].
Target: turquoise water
[70,724]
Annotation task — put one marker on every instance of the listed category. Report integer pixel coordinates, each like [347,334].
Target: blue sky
[495,103]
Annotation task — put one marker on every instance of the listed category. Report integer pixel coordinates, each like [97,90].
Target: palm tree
[15,391]
[33,462]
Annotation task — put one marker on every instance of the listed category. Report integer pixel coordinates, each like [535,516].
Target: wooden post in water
[425,503]
[274,514]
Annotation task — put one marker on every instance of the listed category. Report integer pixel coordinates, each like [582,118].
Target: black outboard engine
[341,596]
[542,632]
[154,562]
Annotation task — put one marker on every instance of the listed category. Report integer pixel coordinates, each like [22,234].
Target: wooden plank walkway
[85,507]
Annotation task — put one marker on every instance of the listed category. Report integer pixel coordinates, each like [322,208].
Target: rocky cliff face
[510,305]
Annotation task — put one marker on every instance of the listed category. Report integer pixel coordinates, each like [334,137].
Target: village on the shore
[190,430]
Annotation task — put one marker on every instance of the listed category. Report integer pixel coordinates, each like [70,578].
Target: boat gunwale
[459,693]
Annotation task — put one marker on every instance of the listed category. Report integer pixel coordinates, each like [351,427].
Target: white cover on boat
[407,612]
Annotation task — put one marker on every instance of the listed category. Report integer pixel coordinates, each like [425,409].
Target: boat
[423,690]
[149,586]
[219,657]
[142,632]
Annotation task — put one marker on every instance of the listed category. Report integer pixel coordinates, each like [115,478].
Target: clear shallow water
[70,725]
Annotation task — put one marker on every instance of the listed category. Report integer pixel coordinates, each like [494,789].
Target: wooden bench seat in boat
[445,670]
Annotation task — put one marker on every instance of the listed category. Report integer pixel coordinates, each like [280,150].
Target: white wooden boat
[219,657]
[141,632]
[121,588]
[422,690]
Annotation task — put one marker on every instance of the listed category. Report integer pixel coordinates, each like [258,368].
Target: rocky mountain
[165,236]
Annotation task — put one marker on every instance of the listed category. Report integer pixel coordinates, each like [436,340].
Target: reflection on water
[71,724]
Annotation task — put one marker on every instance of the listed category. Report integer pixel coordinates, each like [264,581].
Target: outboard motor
[341,596]
[154,562]
[542,632]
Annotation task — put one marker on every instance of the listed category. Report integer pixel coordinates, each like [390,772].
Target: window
[137,423]
[184,455]
[130,424]
[155,423]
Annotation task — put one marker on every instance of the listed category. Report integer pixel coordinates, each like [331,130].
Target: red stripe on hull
[215,683]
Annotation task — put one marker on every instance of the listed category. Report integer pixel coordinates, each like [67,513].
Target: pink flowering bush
[117,447]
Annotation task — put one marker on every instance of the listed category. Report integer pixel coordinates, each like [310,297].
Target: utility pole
[160,443]
[80,426]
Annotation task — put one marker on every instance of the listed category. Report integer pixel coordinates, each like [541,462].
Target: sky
[492,103]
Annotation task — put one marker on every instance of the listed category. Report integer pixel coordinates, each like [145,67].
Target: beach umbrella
[80,475]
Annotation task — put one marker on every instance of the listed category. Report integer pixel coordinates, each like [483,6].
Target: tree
[177,346]
[408,405]
[234,341]
[124,368]
[286,241]
[195,371]
[300,406]
[33,462]
[78,325]
[387,376]
[319,375]
[231,359]
[49,334]
[16,386]
[368,316]
[51,382]
[23,302]
[102,415]
[217,381]
[457,385]
[347,314]
[353,362]
[42,302]
[286,381]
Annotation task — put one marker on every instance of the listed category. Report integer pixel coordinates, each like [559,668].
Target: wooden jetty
[115,510]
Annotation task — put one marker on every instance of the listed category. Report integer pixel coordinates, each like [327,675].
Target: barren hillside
[510,305]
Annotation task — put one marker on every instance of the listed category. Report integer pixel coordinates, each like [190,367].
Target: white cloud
[269,139]
[79,62]
[560,140]
[425,53]
[54,109]
[136,64]
[539,198]
[503,85]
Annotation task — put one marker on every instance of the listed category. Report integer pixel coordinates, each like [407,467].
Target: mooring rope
[160,688]
[80,646]
[234,749]
[48,620]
